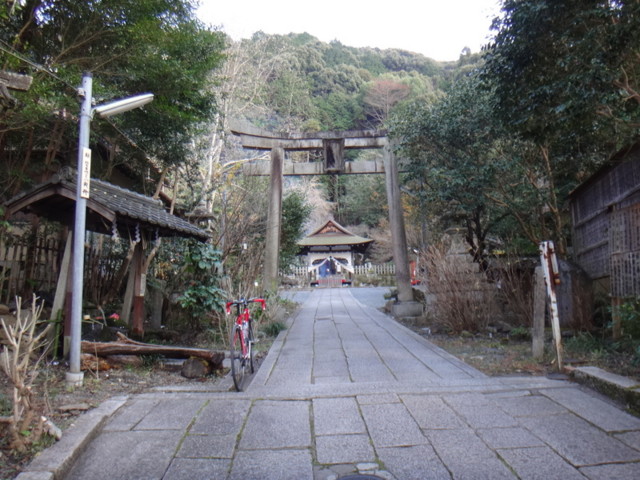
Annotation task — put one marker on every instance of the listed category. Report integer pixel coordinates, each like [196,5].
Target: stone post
[406,306]
[539,306]
[274,219]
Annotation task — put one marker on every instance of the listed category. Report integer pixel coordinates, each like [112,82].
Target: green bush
[630,318]
[520,333]
[585,343]
[204,294]
[274,328]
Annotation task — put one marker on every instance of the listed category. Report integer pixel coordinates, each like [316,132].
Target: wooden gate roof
[109,208]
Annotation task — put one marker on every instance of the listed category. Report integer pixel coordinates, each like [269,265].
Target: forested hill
[316,85]
[373,60]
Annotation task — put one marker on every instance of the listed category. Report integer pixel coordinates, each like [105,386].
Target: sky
[438,29]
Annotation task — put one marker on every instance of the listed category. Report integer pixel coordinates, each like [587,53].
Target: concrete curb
[622,389]
[55,462]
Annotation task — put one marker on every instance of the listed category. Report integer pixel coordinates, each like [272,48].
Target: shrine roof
[332,233]
[109,207]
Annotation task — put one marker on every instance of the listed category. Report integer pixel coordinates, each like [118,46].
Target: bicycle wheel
[249,341]
[238,364]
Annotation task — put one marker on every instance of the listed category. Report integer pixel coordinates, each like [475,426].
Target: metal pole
[75,376]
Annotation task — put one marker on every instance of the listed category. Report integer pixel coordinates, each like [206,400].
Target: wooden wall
[605,213]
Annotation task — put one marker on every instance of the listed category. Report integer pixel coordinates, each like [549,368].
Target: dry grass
[460,297]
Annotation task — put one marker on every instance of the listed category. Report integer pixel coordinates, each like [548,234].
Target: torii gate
[333,145]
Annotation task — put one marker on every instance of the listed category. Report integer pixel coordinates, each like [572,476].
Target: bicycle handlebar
[245,302]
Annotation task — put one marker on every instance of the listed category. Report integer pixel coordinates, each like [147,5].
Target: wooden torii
[333,144]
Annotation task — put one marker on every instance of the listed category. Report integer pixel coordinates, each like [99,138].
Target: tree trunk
[126,346]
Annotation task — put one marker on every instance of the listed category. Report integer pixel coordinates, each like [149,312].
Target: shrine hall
[331,252]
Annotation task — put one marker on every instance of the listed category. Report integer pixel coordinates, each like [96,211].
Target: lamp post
[74,377]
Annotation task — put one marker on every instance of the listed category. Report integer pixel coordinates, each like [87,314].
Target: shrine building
[330,252]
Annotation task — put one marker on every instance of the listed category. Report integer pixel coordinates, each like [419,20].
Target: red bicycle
[241,340]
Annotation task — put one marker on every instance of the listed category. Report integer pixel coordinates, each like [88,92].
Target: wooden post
[61,287]
[552,278]
[66,340]
[125,315]
[539,304]
[139,287]
[396,222]
[157,299]
[274,218]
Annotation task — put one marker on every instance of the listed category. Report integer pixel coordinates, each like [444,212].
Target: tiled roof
[107,206]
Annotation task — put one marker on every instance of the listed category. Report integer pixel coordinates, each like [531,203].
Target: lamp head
[119,106]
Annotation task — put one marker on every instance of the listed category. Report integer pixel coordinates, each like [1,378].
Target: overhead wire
[8,49]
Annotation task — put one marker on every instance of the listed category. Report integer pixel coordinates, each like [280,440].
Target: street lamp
[74,377]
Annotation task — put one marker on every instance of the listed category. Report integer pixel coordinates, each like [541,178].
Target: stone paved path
[345,389]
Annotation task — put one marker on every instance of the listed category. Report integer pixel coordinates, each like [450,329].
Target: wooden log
[119,361]
[90,362]
[126,346]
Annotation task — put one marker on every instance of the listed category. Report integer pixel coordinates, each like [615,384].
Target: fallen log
[126,346]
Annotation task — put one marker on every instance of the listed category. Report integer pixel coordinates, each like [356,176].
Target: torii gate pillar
[406,306]
[274,219]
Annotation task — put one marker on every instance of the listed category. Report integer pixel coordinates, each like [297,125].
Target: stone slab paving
[334,416]
[595,410]
[136,454]
[277,425]
[538,462]
[346,389]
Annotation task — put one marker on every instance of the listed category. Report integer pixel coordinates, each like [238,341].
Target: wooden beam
[15,81]
[258,139]
[40,197]
[359,167]
[297,144]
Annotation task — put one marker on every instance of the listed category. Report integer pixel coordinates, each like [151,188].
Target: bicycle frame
[243,317]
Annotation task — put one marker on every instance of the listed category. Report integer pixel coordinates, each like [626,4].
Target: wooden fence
[624,243]
[385,269]
[370,269]
[27,264]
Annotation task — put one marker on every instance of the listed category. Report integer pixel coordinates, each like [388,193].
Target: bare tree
[382,96]
[19,360]
[240,88]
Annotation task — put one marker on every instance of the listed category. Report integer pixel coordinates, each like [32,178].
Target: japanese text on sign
[85,173]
